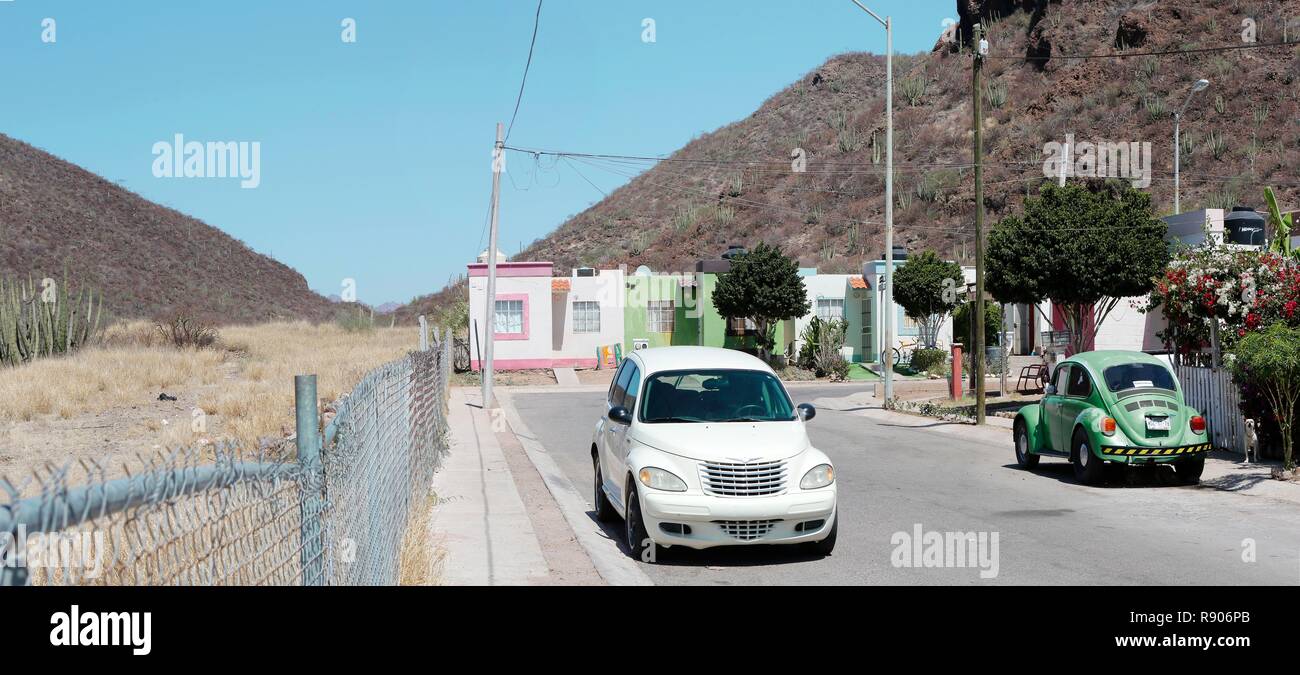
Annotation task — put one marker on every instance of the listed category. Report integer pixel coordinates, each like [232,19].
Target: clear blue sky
[375,157]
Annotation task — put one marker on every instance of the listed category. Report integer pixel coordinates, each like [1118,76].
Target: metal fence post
[309,459]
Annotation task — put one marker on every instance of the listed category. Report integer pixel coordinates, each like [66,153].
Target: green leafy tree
[763,286]
[1083,248]
[928,289]
[1270,361]
[961,324]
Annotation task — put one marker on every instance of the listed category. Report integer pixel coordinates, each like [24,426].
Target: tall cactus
[38,321]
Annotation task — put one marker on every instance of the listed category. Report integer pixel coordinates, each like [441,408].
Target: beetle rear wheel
[1189,470]
[1088,468]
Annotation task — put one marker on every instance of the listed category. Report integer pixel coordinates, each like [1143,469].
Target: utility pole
[977,364]
[890,314]
[498,165]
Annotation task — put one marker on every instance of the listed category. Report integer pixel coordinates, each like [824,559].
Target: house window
[660,315]
[586,317]
[741,326]
[830,309]
[910,326]
[510,317]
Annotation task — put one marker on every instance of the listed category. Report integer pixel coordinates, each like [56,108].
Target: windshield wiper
[671,419]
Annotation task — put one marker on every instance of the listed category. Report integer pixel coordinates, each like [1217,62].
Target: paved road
[892,477]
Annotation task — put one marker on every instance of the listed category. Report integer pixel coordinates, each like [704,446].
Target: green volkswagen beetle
[1113,407]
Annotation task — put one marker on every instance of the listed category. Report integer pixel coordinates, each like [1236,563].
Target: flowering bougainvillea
[1245,290]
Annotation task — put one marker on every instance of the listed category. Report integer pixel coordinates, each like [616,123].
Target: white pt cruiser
[701,447]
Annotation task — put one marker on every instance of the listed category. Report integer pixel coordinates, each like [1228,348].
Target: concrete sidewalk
[480,520]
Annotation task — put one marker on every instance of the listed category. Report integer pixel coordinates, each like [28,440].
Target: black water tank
[1244,226]
[900,253]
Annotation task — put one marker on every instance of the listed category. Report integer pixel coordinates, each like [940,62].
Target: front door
[1078,393]
[1052,405]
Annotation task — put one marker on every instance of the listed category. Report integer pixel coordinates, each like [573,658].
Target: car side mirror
[1050,390]
[807,411]
[620,415]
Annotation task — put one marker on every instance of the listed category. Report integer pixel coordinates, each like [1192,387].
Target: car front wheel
[1087,467]
[826,546]
[604,510]
[1025,458]
[639,543]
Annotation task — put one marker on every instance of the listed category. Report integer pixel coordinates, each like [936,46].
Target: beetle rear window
[1139,376]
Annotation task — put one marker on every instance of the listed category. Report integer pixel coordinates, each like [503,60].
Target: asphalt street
[893,478]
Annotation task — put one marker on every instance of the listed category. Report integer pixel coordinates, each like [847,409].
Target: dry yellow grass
[245,385]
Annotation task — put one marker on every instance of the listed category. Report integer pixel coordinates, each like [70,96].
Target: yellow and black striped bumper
[1155,452]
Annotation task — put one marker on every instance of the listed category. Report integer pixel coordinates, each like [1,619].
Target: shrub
[928,360]
[186,331]
[1270,360]
[359,321]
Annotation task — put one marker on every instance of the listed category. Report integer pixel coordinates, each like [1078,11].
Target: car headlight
[818,477]
[659,479]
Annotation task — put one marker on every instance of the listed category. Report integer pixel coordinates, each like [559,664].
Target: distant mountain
[147,259]
[737,185]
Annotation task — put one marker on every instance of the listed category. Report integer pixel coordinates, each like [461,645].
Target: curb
[613,565]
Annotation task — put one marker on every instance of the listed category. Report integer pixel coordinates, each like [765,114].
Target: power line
[537,20]
[1180,52]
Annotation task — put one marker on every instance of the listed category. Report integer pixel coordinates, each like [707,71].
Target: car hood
[740,442]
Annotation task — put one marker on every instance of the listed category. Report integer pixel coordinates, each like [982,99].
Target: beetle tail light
[1198,424]
[1108,426]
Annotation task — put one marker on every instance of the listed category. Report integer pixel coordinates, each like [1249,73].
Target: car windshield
[715,396]
[1139,376]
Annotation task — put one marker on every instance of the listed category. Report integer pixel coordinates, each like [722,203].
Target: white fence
[1213,393]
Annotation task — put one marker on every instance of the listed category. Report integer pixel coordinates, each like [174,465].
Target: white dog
[1252,441]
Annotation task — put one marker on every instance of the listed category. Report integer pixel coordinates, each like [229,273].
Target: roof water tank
[1244,226]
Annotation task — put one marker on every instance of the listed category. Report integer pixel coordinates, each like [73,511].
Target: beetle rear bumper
[1134,455]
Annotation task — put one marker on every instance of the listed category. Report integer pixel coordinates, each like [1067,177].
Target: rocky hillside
[737,185]
[148,260]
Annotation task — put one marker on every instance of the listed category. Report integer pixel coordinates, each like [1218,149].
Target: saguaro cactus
[43,320]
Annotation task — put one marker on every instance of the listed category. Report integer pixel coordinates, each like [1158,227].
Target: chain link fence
[214,516]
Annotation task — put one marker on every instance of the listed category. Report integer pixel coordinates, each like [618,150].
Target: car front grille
[756,479]
[746,530]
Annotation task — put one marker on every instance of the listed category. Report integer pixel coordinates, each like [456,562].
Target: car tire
[826,546]
[638,540]
[1189,470]
[1025,458]
[604,510]
[1088,469]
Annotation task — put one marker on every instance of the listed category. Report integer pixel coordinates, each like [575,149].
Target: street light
[1201,85]
[890,314]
